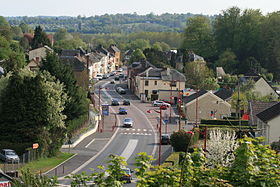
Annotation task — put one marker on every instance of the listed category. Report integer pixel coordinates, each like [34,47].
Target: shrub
[181,140]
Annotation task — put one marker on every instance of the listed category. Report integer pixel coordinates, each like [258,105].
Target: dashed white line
[90,143]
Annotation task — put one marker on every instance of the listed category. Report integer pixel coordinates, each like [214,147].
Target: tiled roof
[224,93]
[256,107]
[164,74]
[74,62]
[192,97]
[114,49]
[270,113]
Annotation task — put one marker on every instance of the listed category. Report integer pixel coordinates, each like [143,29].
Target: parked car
[120,90]
[160,103]
[112,73]
[122,110]
[126,102]
[127,122]
[121,75]
[9,156]
[112,82]
[128,175]
[99,76]
[117,78]
[105,76]
[115,102]
[165,139]
[120,70]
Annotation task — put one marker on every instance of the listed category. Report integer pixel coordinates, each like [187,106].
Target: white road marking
[144,130]
[138,129]
[133,129]
[90,143]
[129,149]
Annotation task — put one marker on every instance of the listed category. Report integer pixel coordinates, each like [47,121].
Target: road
[127,142]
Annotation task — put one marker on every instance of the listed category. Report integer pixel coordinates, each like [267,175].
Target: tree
[198,37]
[156,57]
[140,44]
[40,38]
[228,61]
[5,29]
[38,101]
[77,104]
[220,147]
[196,73]
[137,56]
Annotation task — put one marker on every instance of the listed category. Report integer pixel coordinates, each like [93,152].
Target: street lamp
[160,124]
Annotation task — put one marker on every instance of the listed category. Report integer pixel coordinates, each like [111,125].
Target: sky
[99,7]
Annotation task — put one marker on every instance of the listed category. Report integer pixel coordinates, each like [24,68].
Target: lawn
[44,164]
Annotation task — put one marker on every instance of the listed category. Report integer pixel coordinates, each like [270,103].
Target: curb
[81,138]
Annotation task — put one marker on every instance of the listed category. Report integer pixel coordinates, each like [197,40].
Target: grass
[172,159]
[44,164]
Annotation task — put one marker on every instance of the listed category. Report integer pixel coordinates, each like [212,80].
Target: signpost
[105,109]
[35,146]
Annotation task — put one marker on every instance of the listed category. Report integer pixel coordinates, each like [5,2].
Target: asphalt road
[127,142]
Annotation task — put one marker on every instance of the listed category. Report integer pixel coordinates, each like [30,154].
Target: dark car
[121,75]
[117,78]
[165,139]
[126,102]
[122,110]
[127,176]
[115,102]
[112,82]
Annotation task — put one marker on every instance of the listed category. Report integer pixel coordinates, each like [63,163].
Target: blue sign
[105,110]
[166,121]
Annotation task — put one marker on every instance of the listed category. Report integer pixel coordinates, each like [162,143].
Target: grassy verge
[44,164]
[172,159]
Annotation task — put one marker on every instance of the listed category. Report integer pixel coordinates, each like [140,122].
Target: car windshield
[10,153]
[127,120]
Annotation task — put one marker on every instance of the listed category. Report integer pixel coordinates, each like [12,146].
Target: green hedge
[224,122]
[76,124]
[181,140]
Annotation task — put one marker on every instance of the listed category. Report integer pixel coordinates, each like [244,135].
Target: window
[155,82]
[146,83]
[173,83]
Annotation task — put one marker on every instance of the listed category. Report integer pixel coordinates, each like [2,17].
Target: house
[262,87]
[224,94]
[220,72]
[152,84]
[35,57]
[117,55]
[205,105]
[98,64]
[255,107]
[79,65]
[268,123]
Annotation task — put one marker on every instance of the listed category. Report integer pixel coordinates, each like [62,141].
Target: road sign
[35,146]
[105,109]
[166,121]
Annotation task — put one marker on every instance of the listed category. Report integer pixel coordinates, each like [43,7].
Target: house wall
[160,85]
[273,130]
[207,103]
[262,87]
[117,59]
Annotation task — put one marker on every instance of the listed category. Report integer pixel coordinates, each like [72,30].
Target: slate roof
[192,97]
[223,93]
[70,52]
[164,74]
[270,113]
[101,49]
[113,48]
[74,62]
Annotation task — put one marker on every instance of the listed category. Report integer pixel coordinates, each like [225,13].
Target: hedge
[224,122]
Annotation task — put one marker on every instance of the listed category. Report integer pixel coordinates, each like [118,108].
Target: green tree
[196,73]
[76,105]
[140,44]
[40,38]
[156,57]
[5,29]
[228,61]
[32,106]
[137,56]
[198,37]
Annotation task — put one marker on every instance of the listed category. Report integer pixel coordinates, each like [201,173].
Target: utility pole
[99,113]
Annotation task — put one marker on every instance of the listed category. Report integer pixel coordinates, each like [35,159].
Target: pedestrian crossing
[139,132]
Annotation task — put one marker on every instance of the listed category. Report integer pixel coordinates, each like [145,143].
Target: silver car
[9,155]
[127,122]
